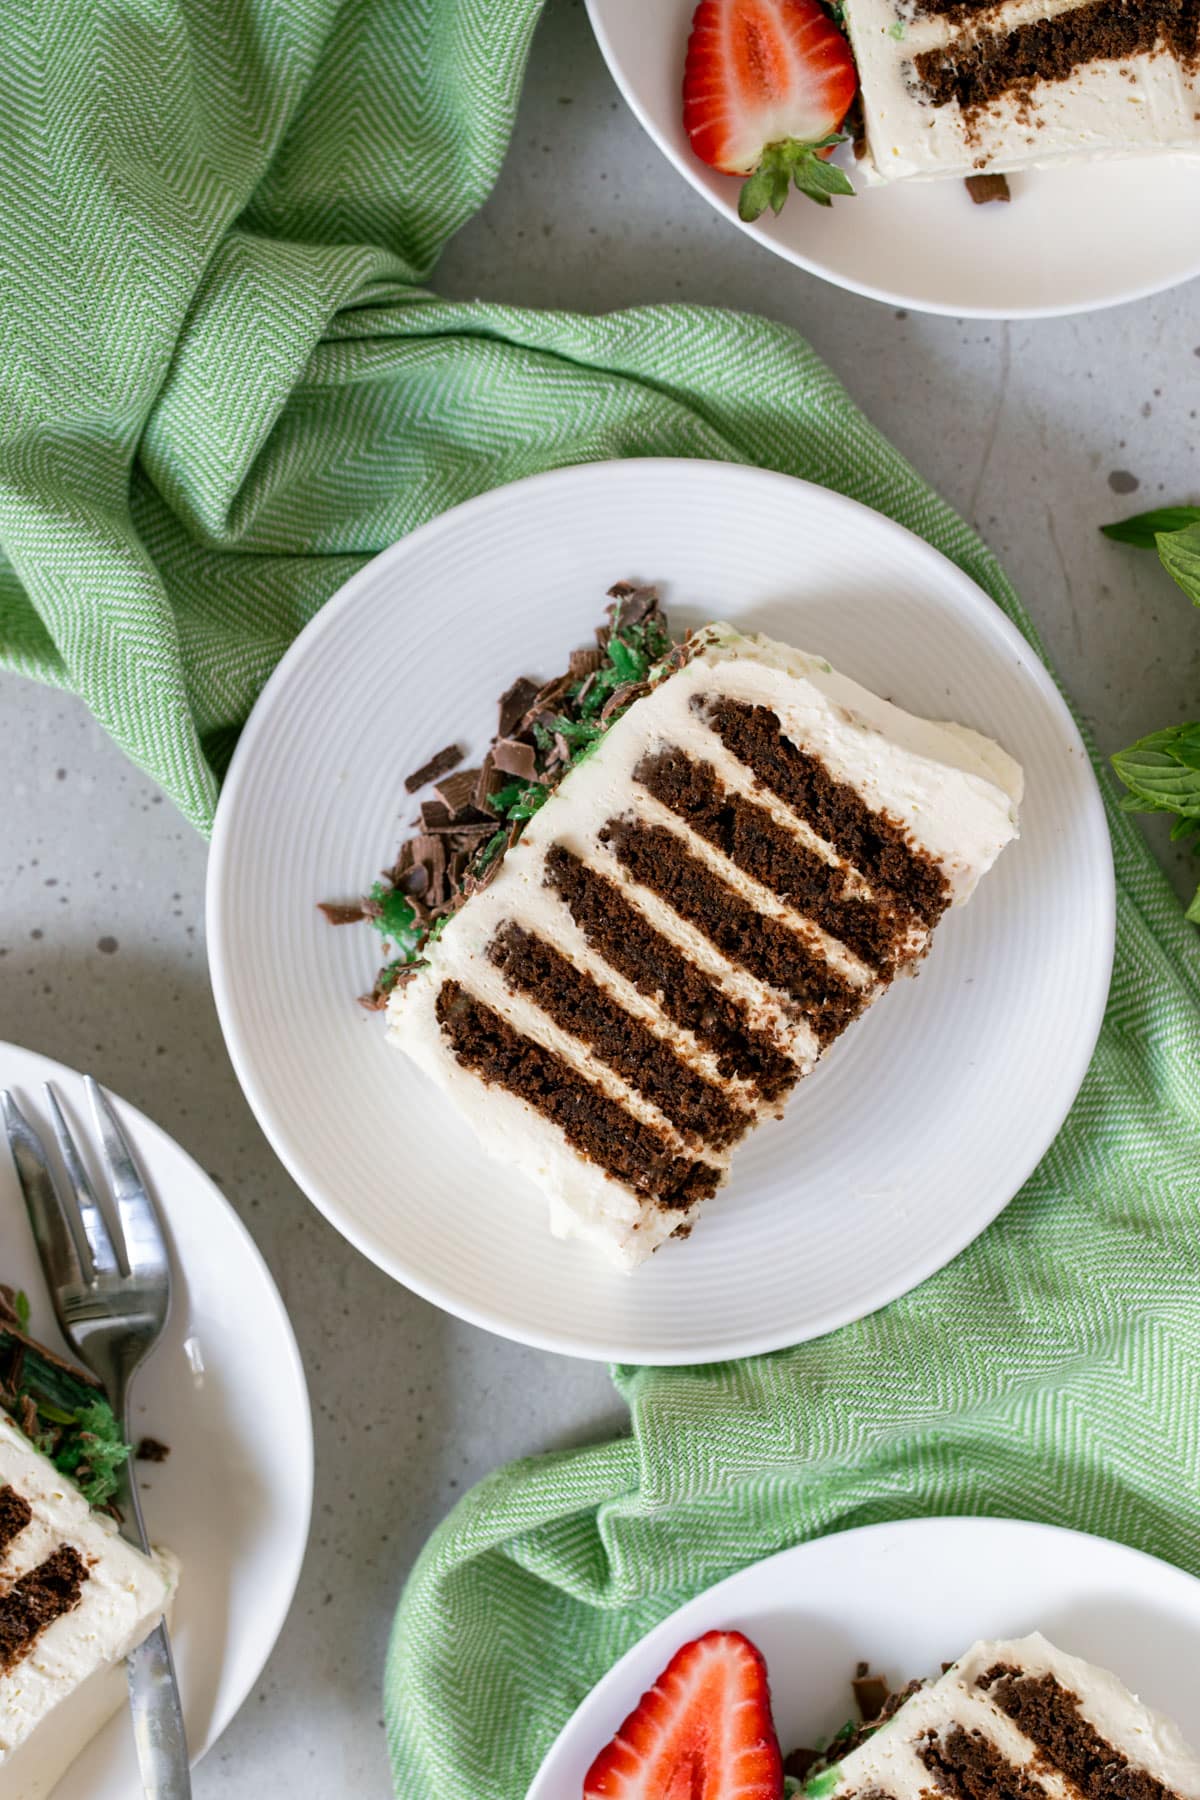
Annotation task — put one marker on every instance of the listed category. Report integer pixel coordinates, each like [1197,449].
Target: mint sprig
[1162,771]
[1179,554]
[1144,529]
[790,163]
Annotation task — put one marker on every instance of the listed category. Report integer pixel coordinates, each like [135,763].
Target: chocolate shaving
[619,698]
[515,703]
[457,793]
[462,835]
[350,912]
[634,603]
[490,782]
[546,703]
[798,1762]
[515,758]
[441,764]
[870,1693]
[151,1451]
[983,188]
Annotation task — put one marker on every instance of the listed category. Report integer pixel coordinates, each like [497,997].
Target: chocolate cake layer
[619,933]
[15,1514]
[1050,1717]
[877,846]
[595,1126]
[967,1766]
[770,950]
[991,64]
[874,929]
[580,1005]
[31,1604]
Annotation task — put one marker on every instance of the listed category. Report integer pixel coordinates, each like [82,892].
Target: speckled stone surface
[1036,432]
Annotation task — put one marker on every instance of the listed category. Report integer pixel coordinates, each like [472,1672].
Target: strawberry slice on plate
[702,1732]
[766,86]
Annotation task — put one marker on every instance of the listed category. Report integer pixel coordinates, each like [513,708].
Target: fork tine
[52,1230]
[145,1249]
[95,1228]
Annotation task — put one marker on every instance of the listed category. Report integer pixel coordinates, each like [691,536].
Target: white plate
[1071,240]
[906,1598]
[909,1138]
[225,1390]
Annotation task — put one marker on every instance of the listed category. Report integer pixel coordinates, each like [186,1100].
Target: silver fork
[111,1301]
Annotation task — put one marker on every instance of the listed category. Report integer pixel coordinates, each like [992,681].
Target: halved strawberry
[766,86]
[703,1732]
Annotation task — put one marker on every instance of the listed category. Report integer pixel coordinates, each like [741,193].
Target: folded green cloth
[223,389]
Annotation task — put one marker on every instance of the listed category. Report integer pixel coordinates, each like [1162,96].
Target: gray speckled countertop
[1036,432]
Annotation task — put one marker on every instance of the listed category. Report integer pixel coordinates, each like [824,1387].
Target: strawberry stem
[790,162]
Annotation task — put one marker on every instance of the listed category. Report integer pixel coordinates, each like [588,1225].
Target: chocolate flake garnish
[441,764]
[349,912]
[490,782]
[152,1451]
[515,758]
[477,815]
[983,188]
[515,704]
[870,1693]
[457,792]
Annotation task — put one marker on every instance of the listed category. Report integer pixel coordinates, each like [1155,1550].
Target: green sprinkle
[396,920]
[823,1784]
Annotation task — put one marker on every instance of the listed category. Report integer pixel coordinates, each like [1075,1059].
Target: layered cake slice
[965,87]
[75,1598]
[752,848]
[1016,1719]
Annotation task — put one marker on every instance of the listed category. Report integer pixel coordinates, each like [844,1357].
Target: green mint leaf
[1193,911]
[1144,528]
[1179,553]
[21,1308]
[1162,771]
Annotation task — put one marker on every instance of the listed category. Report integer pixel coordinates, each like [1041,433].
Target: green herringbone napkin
[221,391]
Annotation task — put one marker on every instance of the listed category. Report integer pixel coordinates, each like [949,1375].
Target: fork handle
[154,1704]
[158,1720]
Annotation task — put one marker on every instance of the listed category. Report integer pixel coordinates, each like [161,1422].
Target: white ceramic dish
[912,1134]
[225,1391]
[906,1598]
[1072,239]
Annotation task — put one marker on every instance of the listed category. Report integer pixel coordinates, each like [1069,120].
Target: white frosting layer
[70,1668]
[888,1760]
[1144,104]
[955,792]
